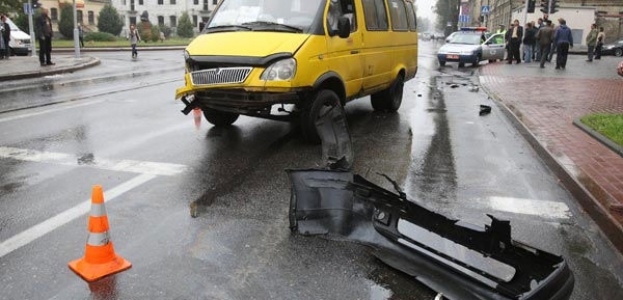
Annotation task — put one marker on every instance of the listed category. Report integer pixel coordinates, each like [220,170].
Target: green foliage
[609,125]
[109,20]
[22,21]
[185,27]
[144,30]
[155,33]
[66,23]
[10,6]
[447,11]
[99,37]
[166,30]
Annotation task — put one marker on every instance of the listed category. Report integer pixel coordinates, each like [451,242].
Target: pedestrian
[537,46]
[6,38]
[514,37]
[81,36]
[134,38]
[528,42]
[591,41]
[544,37]
[563,40]
[601,36]
[44,28]
[162,37]
[620,69]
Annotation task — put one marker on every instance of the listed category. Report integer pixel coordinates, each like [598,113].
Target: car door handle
[354,51]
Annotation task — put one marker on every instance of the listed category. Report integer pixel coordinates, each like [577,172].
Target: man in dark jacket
[563,40]
[6,37]
[544,37]
[528,42]
[44,34]
[514,37]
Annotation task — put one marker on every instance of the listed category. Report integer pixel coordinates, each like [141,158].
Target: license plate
[452,56]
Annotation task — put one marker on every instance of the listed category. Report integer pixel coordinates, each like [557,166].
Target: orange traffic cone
[99,259]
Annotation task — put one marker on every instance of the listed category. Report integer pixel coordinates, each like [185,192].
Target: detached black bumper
[340,204]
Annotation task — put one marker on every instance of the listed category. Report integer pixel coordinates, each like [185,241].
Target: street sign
[27,9]
[485,10]
[463,18]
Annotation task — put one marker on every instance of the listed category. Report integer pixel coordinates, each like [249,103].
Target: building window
[172,2]
[133,20]
[140,2]
[91,17]
[196,2]
[160,2]
[215,2]
[195,20]
[173,21]
[54,14]
[161,21]
[79,16]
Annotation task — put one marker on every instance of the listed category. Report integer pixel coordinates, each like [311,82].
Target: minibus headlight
[281,70]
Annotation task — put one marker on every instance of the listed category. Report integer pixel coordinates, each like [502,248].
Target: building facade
[87,11]
[164,12]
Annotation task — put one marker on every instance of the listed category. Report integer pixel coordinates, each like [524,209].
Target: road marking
[542,208]
[25,237]
[64,107]
[133,166]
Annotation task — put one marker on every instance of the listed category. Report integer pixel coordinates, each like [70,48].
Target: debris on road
[484,110]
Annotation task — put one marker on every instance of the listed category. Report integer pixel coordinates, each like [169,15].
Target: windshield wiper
[227,28]
[265,23]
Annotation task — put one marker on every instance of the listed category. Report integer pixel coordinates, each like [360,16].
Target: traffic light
[545,6]
[531,5]
[35,4]
[553,6]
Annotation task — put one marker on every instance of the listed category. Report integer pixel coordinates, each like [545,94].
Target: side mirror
[343,27]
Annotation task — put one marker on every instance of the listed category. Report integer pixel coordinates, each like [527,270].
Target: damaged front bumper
[459,260]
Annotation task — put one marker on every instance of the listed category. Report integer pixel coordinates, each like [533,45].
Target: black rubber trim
[254,61]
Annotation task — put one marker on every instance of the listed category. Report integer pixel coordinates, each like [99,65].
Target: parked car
[615,48]
[472,45]
[20,41]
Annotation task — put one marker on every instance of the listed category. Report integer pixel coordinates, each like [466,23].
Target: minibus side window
[411,16]
[341,8]
[375,14]
[398,13]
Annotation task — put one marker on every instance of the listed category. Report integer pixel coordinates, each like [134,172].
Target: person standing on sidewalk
[528,43]
[563,40]
[514,37]
[537,46]
[44,29]
[6,37]
[601,36]
[134,38]
[591,42]
[81,36]
[544,37]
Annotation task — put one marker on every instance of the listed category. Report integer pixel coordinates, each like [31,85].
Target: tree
[66,23]
[185,27]
[109,20]
[447,13]
[10,6]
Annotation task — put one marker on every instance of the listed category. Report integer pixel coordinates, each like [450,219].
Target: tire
[618,52]
[219,118]
[442,63]
[390,98]
[476,62]
[461,65]
[491,60]
[321,102]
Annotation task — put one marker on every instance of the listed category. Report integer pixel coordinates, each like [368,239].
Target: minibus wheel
[389,99]
[219,118]
[321,103]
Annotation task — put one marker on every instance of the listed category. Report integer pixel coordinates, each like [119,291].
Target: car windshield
[265,15]
[466,38]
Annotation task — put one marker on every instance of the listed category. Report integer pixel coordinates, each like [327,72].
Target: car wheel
[476,62]
[618,52]
[492,60]
[321,103]
[442,63]
[391,98]
[219,118]
[461,65]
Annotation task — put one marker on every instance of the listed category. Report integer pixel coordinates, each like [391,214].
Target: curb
[598,136]
[93,62]
[115,49]
[610,227]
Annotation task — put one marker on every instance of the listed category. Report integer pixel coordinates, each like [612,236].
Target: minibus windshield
[265,15]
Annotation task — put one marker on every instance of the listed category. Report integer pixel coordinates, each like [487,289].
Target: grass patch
[120,43]
[608,125]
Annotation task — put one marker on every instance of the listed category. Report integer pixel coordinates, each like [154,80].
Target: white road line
[133,166]
[25,237]
[64,107]
[542,208]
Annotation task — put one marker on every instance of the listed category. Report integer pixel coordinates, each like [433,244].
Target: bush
[144,30]
[109,20]
[99,37]
[166,30]
[185,27]
[155,33]
[66,23]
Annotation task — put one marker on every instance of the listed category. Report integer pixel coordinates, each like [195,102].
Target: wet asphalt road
[201,212]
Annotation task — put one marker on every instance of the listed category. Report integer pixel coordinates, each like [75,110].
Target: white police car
[472,45]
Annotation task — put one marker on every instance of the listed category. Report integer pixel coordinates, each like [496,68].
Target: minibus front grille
[220,75]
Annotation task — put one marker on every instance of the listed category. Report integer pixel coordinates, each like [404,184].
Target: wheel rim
[618,52]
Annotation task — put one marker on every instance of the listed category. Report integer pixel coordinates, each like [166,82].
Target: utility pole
[31,26]
[76,33]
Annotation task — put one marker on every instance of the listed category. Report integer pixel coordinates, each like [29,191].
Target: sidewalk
[544,103]
[20,67]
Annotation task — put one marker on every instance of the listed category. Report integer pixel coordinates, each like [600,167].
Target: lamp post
[76,33]
[33,45]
